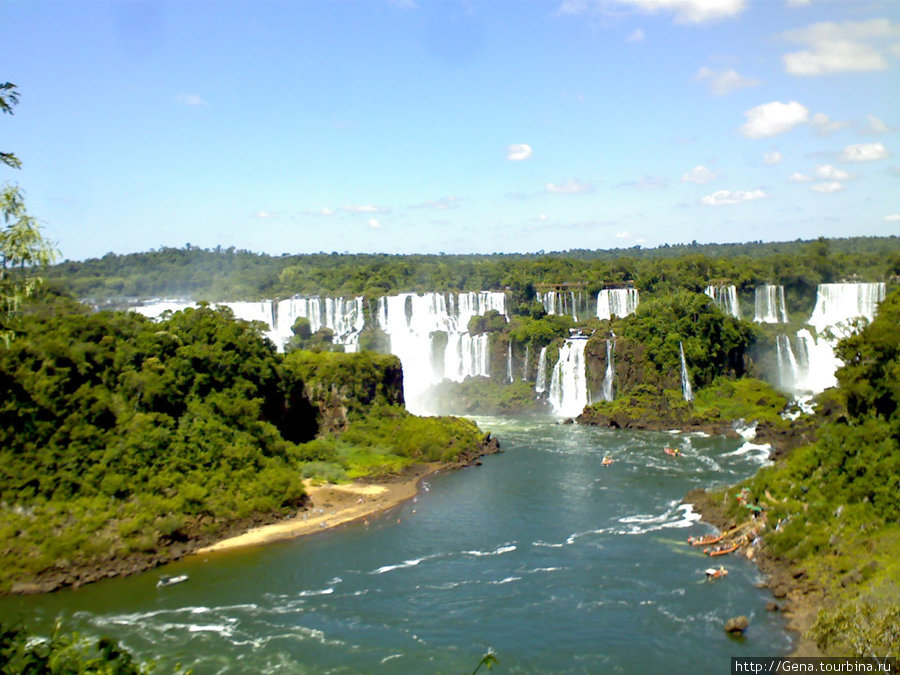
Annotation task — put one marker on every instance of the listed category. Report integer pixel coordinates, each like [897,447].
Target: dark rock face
[737,625]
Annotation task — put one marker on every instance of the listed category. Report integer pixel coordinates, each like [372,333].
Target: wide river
[543,555]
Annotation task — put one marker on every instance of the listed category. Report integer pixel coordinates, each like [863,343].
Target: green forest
[122,439]
[132,440]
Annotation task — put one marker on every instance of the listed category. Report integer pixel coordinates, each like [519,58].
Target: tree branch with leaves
[23,249]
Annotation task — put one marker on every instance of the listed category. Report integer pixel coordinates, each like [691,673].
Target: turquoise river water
[553,561]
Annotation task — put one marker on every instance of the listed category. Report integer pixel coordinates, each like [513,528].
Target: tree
[23,249]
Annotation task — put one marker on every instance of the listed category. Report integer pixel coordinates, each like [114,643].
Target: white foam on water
[754,452]
[643,523]
[309,594]
[507,580]
[748,433]
[546,544]
[507,548]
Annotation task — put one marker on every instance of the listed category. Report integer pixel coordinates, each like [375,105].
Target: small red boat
[607,461]
[672,451]
[713,573]
[708,540]
[722,551]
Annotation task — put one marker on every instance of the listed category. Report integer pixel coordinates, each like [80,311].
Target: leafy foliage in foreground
[837,502]
[63,654]
[121,437]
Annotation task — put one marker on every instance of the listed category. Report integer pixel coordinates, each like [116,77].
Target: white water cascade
[509,369]
[411,320]
[726,298]
[344,317]
[808,366]
[571,303]
[686,390]
[525,367]
[768,305]
[618,302]
[540,384]
[568,385]
[610,374]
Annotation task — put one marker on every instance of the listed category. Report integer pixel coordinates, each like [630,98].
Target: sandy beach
[331,505]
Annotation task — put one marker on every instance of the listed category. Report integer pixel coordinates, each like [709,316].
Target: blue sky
[477,126]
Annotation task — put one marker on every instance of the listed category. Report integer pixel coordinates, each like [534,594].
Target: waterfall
[509,373]
[788,368]
[540,384]
[610,373]
[616,302]
[768,305]
[411,320]
[570,303]
[726,298]
[837,304]
[685,376]
[837,307]
[568,385]
[526,367]
[344,317]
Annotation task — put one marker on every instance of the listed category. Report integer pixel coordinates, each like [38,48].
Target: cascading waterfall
[525,367]
[610,372]
[768,304]
[345,318]
[509,368]
[788,368]
[686,390]
[540,384]
[837,307]
[568,385]
[725,297]
[571,303]
[618,302]
[411,320]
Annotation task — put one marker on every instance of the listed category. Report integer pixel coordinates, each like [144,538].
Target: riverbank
[794,594]
[332,505]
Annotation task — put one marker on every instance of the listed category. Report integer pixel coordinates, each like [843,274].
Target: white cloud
[374,223]
[799,178]
[439,204]
[262,215]
[326,212]
[773,157]
[825,126]
[771,119]
[636,35]
[570,187]
[700,175]
[864,152]
[724,81]
[192,100]
[518,152]
[828,188]
[365,208]
[685,11]
[624,234]
[876,126]
[727,197]
[893,218]
[691,11]
[839,47]
[829,172]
